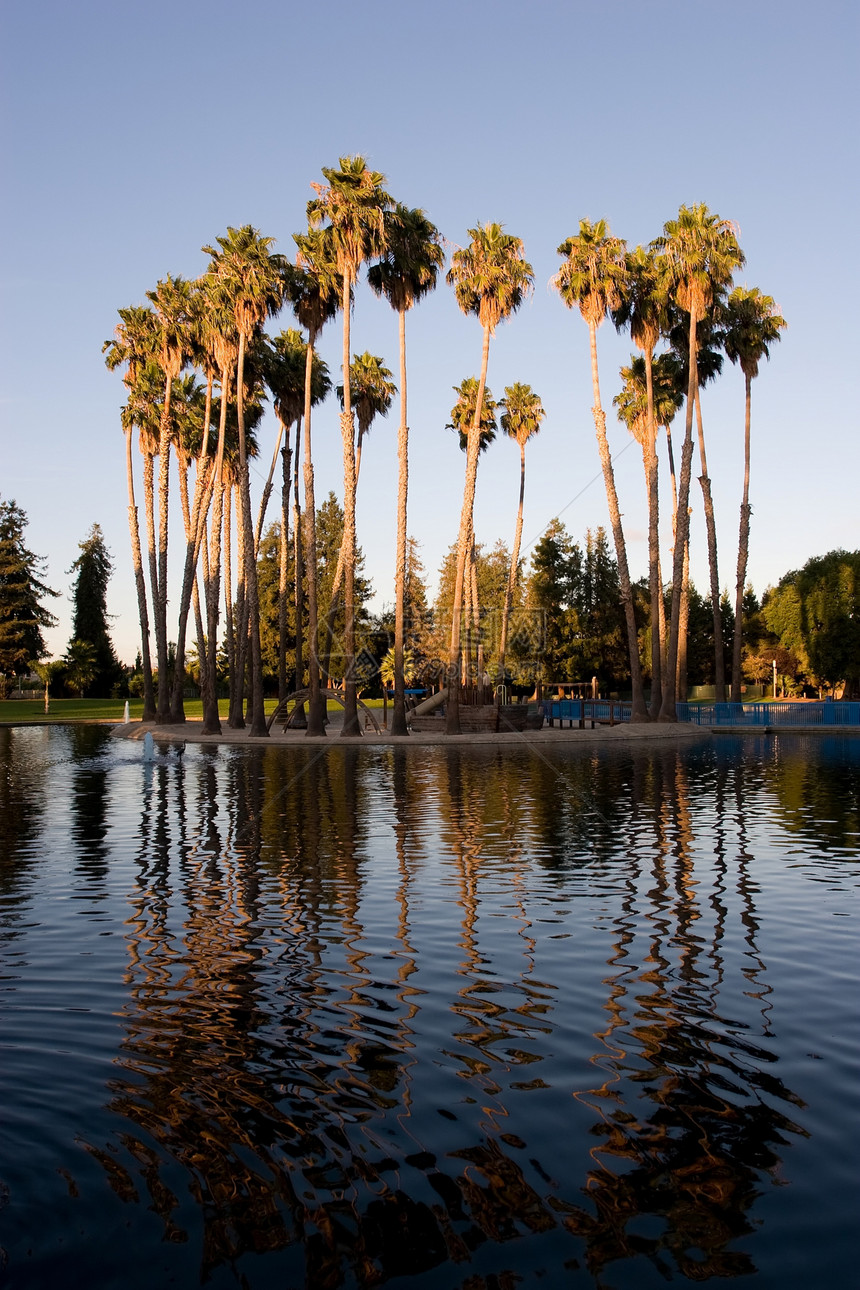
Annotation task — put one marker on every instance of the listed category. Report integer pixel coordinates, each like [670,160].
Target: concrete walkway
[192,732]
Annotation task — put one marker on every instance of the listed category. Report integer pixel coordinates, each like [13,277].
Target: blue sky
[134,134]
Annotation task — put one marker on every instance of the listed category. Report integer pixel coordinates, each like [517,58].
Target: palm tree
[698,255]
[133,345]
[285,375]
[220,342]
[352,204]
[594,276]
[644,309]
[520,420]
[752,326]
[250,279]
[462,416]
[82,664]
[639,408]
[172,306]
[372,392]
[491,278]
[314,290]
[406,272]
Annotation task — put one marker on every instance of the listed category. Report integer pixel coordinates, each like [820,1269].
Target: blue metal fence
[828,713]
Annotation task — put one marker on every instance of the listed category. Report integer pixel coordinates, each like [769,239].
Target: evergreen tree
[22,615]
[93,569]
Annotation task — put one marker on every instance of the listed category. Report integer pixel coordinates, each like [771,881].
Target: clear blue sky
[134,134]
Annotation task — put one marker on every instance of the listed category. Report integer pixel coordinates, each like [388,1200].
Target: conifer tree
[22,614]
[92,570]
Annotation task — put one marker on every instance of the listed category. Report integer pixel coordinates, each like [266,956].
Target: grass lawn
[27,711]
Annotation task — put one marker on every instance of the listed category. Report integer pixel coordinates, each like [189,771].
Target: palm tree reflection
[283,1063]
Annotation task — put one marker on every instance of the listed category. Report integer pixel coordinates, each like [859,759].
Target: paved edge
[191,732]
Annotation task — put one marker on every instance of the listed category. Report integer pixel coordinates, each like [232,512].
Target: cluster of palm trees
[677,291]
[197,362]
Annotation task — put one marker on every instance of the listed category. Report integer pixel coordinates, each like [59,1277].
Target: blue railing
[828,713]
[603,710]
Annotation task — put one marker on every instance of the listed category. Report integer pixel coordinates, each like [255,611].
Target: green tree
[406,272]
[22,614]
[351,205]
[698,253]
[815,613]
[491,277]
[521,420]
[752,326]
[594,277]
[92,571]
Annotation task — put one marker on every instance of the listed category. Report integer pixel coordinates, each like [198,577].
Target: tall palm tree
[698,253]
[594,277]
[172,306]
[491,277]
[462,416]
[752,326]
[285,375]
[251,280]
[406,272]
[521,420]
[640,408]
[220,342]
[372,392]
[133,344]
[644,309]
[351,205]
[315,290]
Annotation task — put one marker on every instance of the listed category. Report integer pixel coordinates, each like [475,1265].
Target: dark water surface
[433,1017]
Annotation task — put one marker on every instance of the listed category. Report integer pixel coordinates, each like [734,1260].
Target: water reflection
[388,1012]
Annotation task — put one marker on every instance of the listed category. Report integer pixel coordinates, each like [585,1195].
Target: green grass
[25,711]
[29,711]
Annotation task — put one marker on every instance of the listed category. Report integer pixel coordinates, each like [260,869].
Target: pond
[460,1019]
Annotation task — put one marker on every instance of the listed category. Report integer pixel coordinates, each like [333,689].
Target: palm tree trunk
[162,713]
[668,711]
[258,729]
[140,584]
[452,711]
[512,575]
[229,633]
[316,725]
[683,625]
[299,718]
[711,528]
[267,489]
[743,552]
[283,560]
[476,619]
[151,548]
[398,715]
[654,586]
[351,729]
[639,712]
[211,719]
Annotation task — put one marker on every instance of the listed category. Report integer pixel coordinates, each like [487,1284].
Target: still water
[445,1018]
